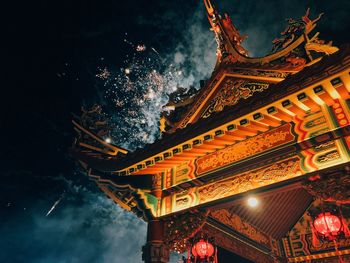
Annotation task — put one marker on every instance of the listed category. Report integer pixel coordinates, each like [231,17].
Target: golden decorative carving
[198,100]
[315,122]
[252,72]
[329,156]
[324,146]
[234,221]
[296,61]
[321,46]
[245,149]
[277,172]
[294,29]
[231,92]
[182,201]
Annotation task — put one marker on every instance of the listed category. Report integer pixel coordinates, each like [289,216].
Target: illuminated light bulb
[127,71]
[108,140]
[253,202]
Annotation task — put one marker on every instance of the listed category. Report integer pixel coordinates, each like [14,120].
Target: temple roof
[274,128]
[326,67]
[295,48]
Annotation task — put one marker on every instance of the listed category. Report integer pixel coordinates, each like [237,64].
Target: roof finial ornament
[226,34]
[316,44]
[209,7]
[309,22]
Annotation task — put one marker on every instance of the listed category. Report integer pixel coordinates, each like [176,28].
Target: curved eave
[228,126]
[206,134]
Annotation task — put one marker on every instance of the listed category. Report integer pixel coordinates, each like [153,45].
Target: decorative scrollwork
[321,46]
[294,29]
[237,223]
[231,92]
[254,72]
[275,173]
[331,187]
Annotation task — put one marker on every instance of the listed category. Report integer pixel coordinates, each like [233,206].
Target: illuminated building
[245,160]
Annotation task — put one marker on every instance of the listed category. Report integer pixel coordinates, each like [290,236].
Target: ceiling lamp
[253,202]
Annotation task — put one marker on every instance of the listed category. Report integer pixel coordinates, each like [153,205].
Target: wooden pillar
[155,251]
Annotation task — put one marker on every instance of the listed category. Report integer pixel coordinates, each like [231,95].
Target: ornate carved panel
[244,149]
[235,222]
[261,73]
[231,91]
[271,174]
[232,244]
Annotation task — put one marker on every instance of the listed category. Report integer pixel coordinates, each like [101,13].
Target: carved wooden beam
[331,187]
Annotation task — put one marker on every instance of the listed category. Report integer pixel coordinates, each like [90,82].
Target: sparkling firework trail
[140,48]
[155,51]
[104,74]
[135,94]
[55,204]
[138,93]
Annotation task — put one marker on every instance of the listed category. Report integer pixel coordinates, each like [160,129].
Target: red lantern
[203,249]
[328,225]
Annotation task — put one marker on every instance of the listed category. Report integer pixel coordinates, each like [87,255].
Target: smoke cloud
[86,226]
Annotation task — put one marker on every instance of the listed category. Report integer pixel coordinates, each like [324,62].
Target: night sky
[53,62]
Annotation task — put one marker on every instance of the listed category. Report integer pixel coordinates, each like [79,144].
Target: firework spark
[104,74]
[55,204]
[136,93]
[140,48]
[155,51]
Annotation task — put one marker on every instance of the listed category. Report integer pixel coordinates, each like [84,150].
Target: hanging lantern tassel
[315,241]
[345,227]
[188,255]
[216,255]
[338,252]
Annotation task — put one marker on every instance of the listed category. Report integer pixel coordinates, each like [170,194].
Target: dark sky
[52,54]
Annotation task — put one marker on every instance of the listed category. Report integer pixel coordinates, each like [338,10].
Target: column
[155,251]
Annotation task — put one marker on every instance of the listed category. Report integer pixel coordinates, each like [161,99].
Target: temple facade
[250,160]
